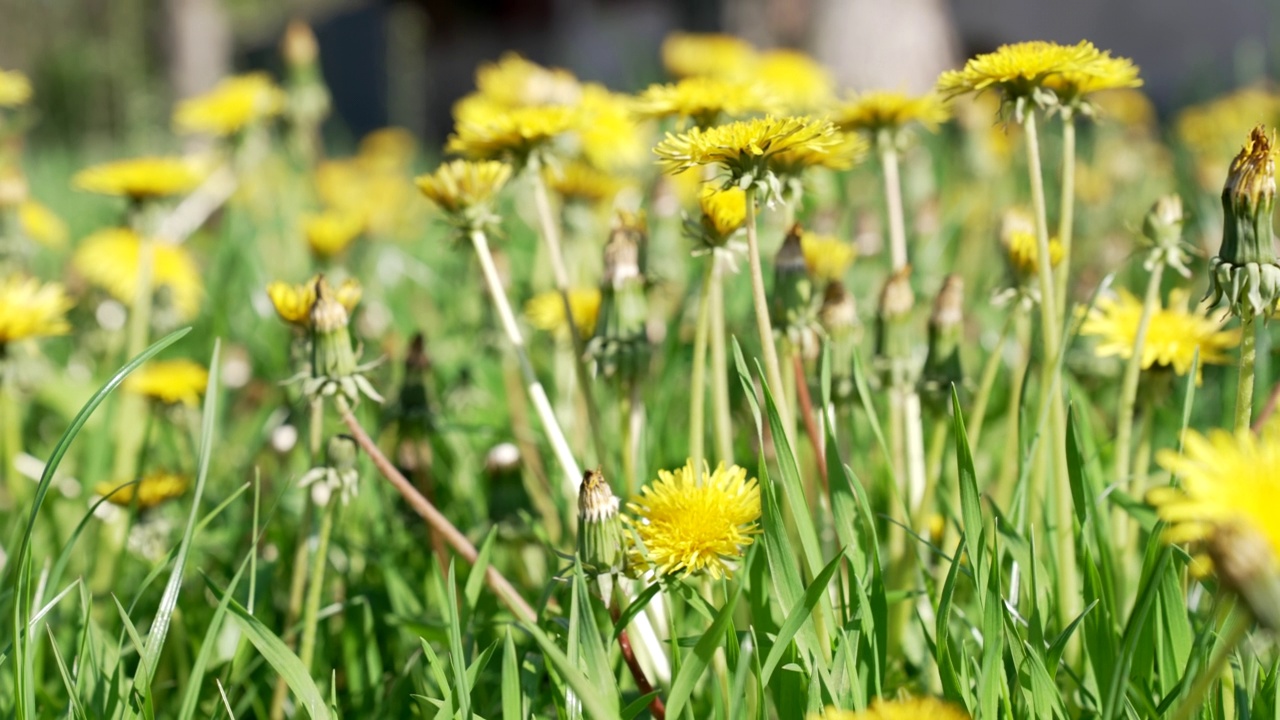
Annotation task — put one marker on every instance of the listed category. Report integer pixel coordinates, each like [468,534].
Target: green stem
[1244,386]
[628,396]
[10,441]
[1235,633]
[1066,211]
[537,394]
[773,371]
[721,417]
[698,380]
[978,411]
[1013,424]
[1129,385]
[551,235]
[893,203]
[937,452]
[315,585]
[297,585]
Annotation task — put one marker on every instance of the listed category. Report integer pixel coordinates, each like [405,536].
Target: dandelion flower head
[1022,248]
[704,99]
[545,311]
[31,309]
[878,110]
[746,147]
[293,303]
[140,178]
[1103,72]
[847,150]
[153,489]
[692,525]
[15,89]
[610,134]
[173,382]
[828,258]
[582,182]
[330,232]
[516,82]
[1174,334]
[41,224]
[108,259]
[461,185]
[925,708]
[491,132]
[1018,69]
[724,210]
[232,105]
[706,54]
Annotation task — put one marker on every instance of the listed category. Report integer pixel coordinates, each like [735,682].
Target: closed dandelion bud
[1162,228]
[839,318]
[1244,272]
[893,330]
[331,351]
[1244,561]
[599,526]
[792,306]
[620,344]
[942,364]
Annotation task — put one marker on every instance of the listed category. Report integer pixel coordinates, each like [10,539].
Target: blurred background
[109,70]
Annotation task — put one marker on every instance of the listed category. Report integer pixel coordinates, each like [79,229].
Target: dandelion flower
[846,151]
[511,133]
[41,224]
[798,81]
[464,189]
[330,232]
[15,89]
[877,110]
[1023,251]
[31,309]
[690,525]
[154,488]
[140,178]
[1019,69]
[1129,107]
[545,311]
[173,382]
[1174,334]
[746,147]
[703,100]
[724,210]
[1103,72]
[608,132]
[388,150]
[515,82]
[827,257]
[907,709]
[232,105]
[108,259]
[371,185]
[706,54]
[582,182]
[293,303]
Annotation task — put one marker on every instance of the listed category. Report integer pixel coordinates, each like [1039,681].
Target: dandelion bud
[299,46]
[1163,222]
[599,526]
[792,287]
[893,332]
[942,365]
[839,318]
[1245,562]
[1244,271]
[333,359]
[620,344]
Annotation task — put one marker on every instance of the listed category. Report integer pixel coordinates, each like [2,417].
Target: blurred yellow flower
[885,109]
[140,178]
[31,309]
[1212,130]
[704,100]
[174,382]
[1103,72]
[330,232]
[846,150]
[545,311]
[690,54]
[42,225]
[1023,251]
[293,303]
[693,525]
[925,708]
[108,259]
[724,210]
[607,128]
[745,147]
[511,133]
[367,185]
[515,82]
[1127,106]
[231,106]
[388,150]
[15,89]
[827,257]
[582,182]
[153,489]
[460,185]
[800,83]
[1018,69]
[1174,334]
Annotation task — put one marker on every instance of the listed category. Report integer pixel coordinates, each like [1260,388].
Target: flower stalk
[773,370]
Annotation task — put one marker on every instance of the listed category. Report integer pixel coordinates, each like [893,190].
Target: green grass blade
[697,662]
[512,698]
[799,615]
[970,499]
[281,658]
[191,694]
[77,710]
[597,707]
[457,650]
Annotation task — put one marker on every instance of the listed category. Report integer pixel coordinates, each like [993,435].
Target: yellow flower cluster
[231,106]
[1212,130]
[151,490]
[31,309]
[1020,69]
[1174,335]
[330,232]
[706,54]
[545,311]
[375,184]
[108,259]
[704,100]
[789,78]
[173,382]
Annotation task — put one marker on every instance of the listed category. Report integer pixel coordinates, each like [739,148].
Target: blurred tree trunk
[199,39]
[885,44]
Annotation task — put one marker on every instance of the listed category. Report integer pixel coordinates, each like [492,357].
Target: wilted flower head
[31,309]
[1244,272]
[1174,335]
[599,527]
[173,382]
[15,89]
[334,369]
[109,259]
[232,105]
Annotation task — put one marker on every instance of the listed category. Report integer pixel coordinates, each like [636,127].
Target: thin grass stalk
[1013,418]
[698,376]
[315,584]
[721,415]
[1235,633]
[537,394]
[1129,389]
[978,411]
[773,370]
[551,236]
[1248,359]
[1066,212]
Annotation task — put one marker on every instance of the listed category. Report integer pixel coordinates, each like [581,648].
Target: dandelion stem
[656,707]
[698,379]
[810,420]
[1066,212]
[1248,357]
[315,584]
[721,418]
[978,411]
[1129,385]
[772,369]
[551,235]
[893,203]
[537,394]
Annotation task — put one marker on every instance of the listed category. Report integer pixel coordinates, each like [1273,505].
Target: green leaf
[598,707]
[282,659]
[457,651]
[970,500]
[697,662]
[799,615]
[475,578]
[195,680]
[512,698]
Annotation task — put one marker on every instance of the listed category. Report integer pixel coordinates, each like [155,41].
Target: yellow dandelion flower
[515,82]
[846,150]
[1229,485]
[388,150]
[15,89]
[140,178]
[1174,334]
[608,130]
[511,133]
[153,489]
[907,709]
[108,259]
[31,309]
[460,185]
[704,99]
[1127,106]
[690,525]
[368,186]
[582,182]
[888,110]
[1017,69]
[798,81]
[545,311]
[708,54]
[41,224]
[724,210]
[173,382]
[828,258]
[1023,251]
[746,147]
[330,232]
[232,105]
[1102,72]
[293,303]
